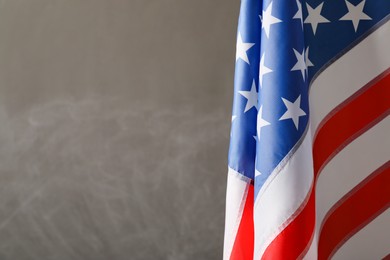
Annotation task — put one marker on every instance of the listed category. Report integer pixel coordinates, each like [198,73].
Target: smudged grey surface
[114,125]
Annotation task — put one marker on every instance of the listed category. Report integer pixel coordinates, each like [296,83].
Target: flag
[309,170]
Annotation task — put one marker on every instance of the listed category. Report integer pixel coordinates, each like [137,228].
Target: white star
[233,117]
[251,97]
[301,64]
[355,14]
[294,111]
[263,70]
[260,122]
[298,15]
[308,62]
[268,20]
[242,48]
[314,17]
[257,173]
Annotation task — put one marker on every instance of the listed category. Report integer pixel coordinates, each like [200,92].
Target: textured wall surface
[114,127]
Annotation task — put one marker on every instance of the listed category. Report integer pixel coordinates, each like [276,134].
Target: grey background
[114,128]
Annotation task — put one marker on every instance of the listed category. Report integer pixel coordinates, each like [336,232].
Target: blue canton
[281,47]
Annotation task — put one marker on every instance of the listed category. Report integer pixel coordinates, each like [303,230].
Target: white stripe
[371,242]
[282,196]
[351,166]
[348,74]
[236,193]
[312,253]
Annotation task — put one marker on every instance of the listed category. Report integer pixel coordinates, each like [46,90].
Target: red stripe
[350,119]
[354,211]
[244,242]
[346,123]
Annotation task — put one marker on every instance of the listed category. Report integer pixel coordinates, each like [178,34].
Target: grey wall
[114,126]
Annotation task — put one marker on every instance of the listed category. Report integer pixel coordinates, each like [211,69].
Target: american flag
[309,170]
